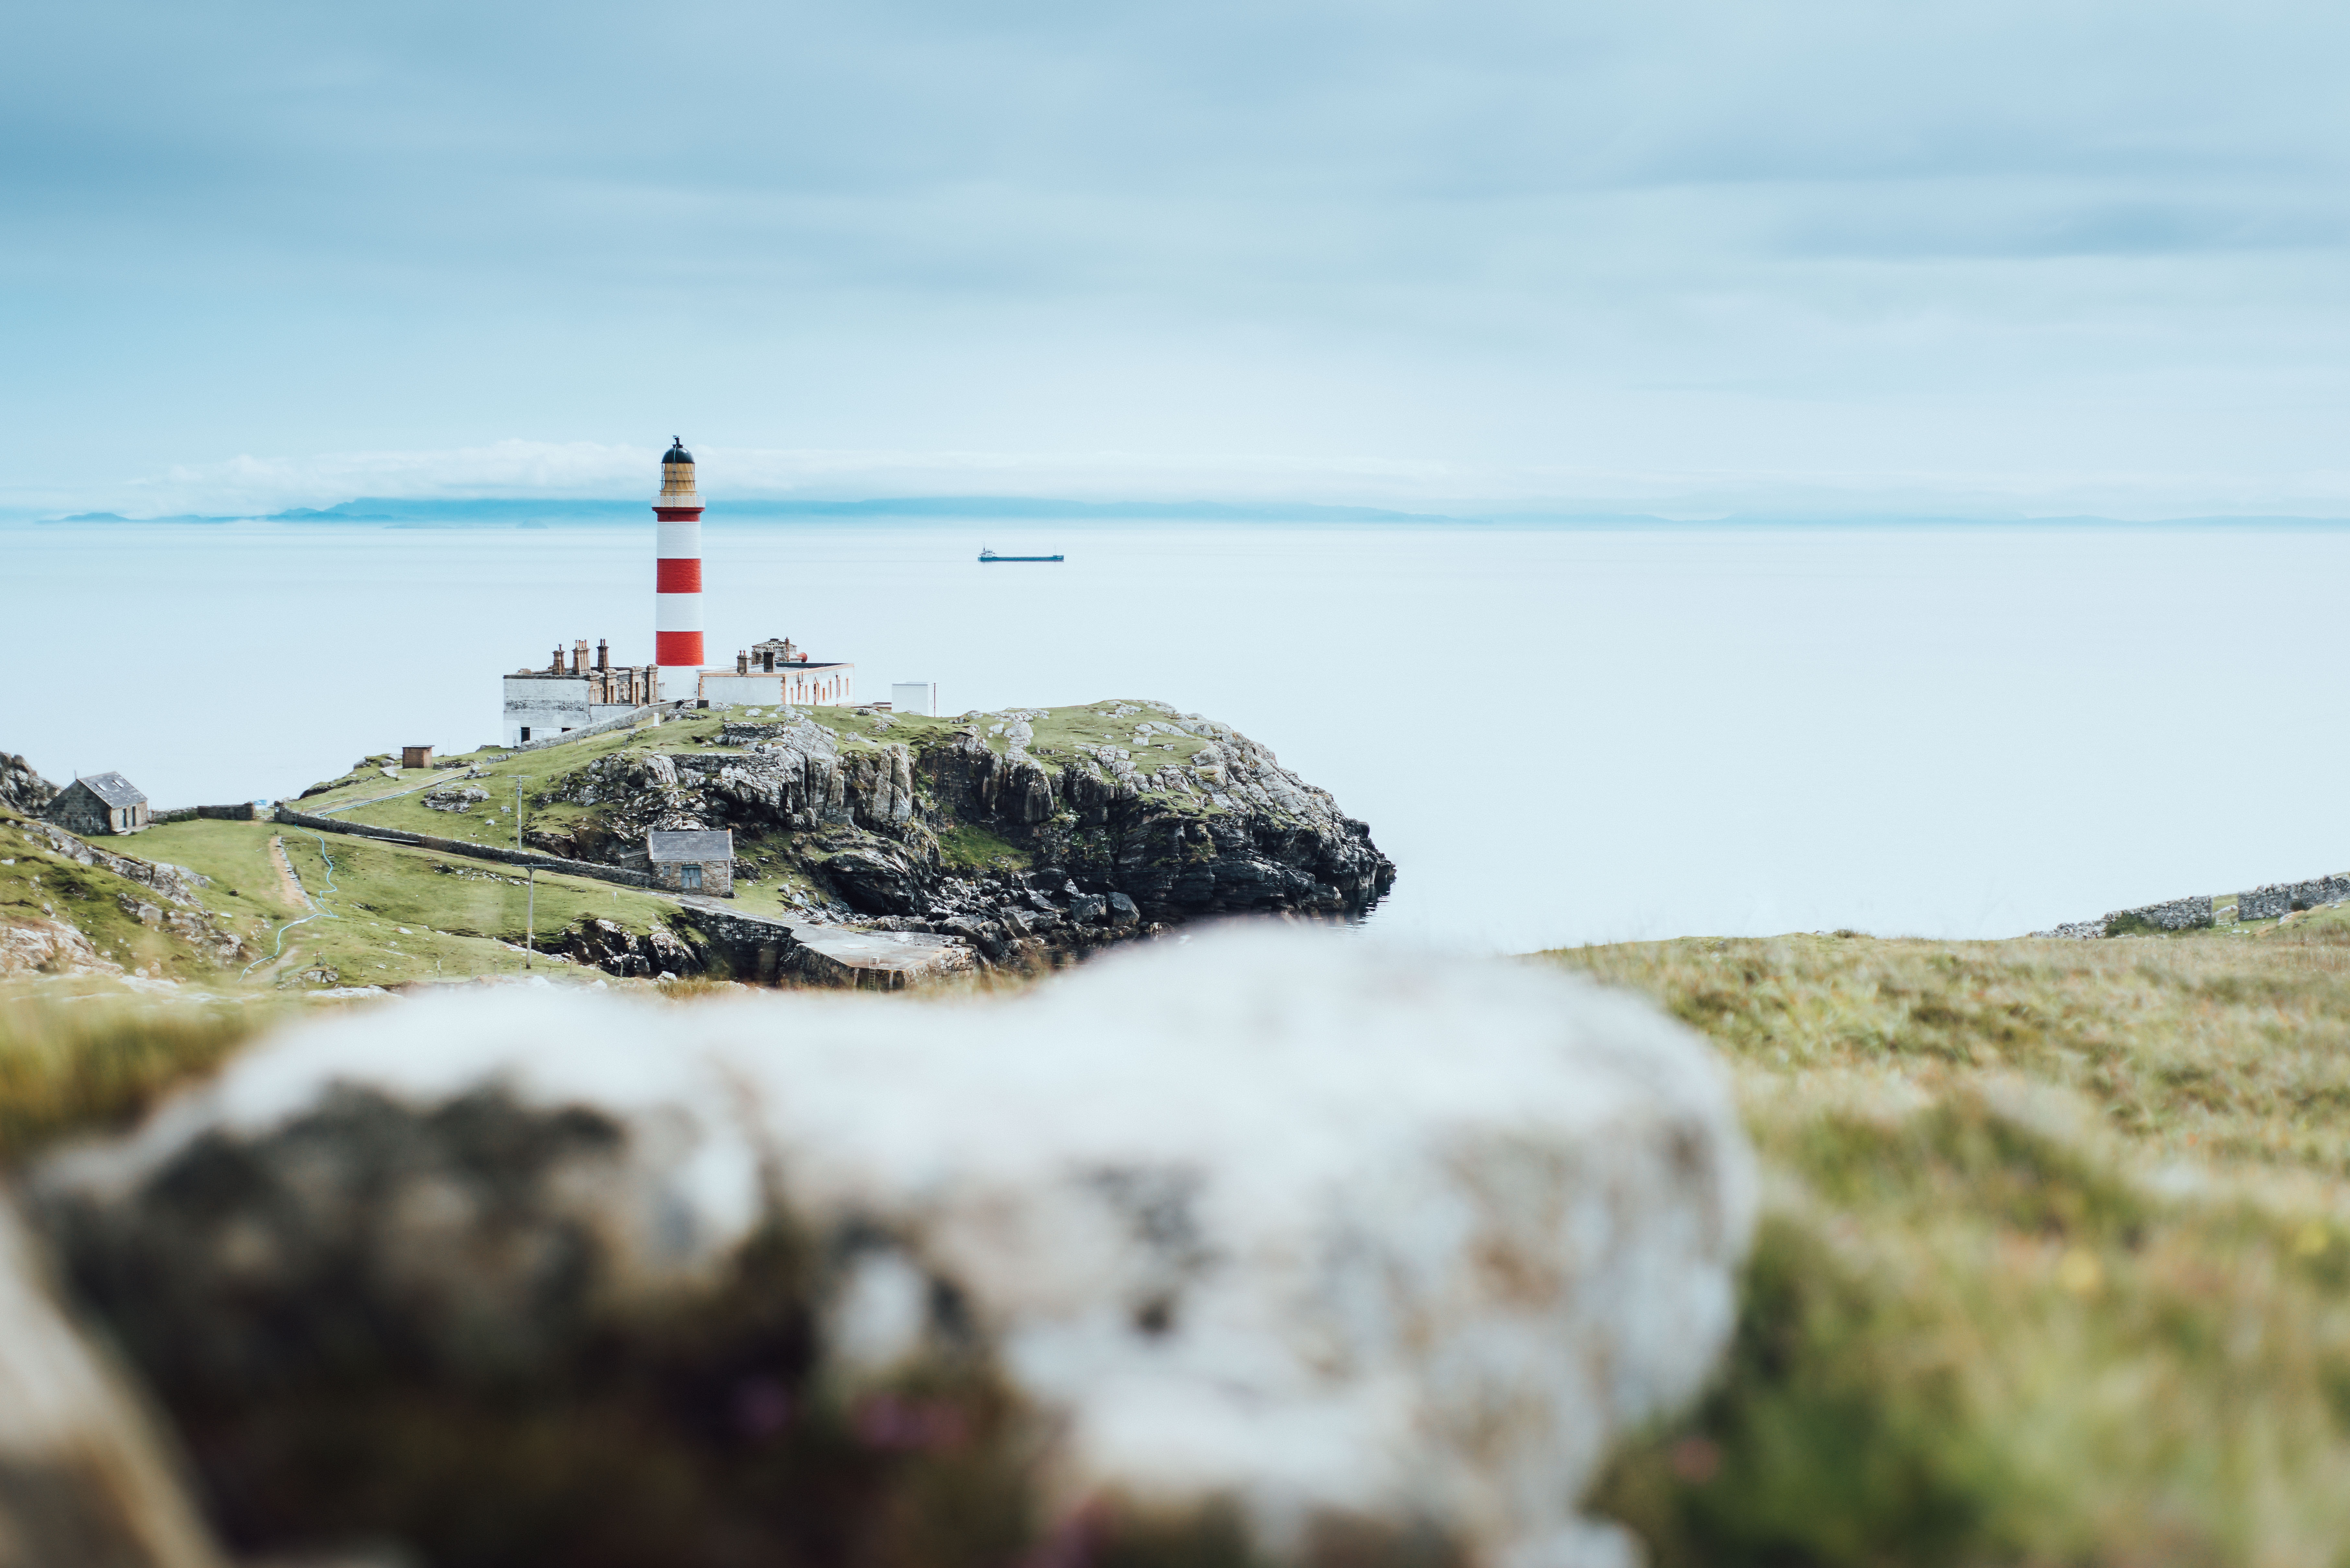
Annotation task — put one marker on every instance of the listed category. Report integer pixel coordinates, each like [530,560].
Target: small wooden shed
[415,756]
[102,803]
[701,861]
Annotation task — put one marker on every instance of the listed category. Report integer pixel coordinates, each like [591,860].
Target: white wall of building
[728,690]
[914,697]
[804,686]
[548,705]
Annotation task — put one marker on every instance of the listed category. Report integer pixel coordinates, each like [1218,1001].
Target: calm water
[1560,735]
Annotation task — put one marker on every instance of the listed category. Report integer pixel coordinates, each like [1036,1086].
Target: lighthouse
[677,583]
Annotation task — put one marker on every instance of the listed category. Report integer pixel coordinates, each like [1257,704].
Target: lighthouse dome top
[677,452]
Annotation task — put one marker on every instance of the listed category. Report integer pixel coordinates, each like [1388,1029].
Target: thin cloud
[1487,241]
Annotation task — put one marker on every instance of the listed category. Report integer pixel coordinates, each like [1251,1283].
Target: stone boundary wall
[470,851]
[2178,915]
[2276,898]
[604,728]
[2262,903]
[244,811]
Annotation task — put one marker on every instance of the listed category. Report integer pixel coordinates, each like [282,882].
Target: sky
[1784,256]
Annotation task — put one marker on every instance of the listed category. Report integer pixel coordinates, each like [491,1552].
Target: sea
[1562,734]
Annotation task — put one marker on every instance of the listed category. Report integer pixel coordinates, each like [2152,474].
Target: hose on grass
[318,911]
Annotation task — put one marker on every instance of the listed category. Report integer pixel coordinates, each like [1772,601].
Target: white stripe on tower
[677,577]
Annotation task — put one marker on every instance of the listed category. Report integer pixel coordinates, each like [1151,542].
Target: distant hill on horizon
[530,512]
[415,512]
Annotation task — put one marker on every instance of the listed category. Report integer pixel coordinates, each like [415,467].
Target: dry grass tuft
[72,1063]
[2055,1265]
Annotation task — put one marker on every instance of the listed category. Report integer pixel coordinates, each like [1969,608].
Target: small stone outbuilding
[415,756]
[102,803]
[701,861]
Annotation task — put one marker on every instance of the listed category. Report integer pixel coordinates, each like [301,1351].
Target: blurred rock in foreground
[1271,1247]
[83,1481]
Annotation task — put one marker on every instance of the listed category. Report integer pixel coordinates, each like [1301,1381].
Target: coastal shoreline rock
[1096,848]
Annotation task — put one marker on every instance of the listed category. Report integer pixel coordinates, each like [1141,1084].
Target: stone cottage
[695,862]
[102,803]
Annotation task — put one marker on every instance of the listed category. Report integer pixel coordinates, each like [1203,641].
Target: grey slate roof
[694,848]
[112,788]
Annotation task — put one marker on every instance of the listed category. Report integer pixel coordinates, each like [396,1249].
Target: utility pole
[530,917]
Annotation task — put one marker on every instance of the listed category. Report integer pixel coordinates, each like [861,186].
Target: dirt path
[288,883]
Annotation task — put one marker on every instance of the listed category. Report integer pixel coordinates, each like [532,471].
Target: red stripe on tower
[677,577]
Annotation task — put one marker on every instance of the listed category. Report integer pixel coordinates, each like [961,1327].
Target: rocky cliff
[21,788]
[1051,830]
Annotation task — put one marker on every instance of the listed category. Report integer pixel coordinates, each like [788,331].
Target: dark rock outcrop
[617,951]
[1096,845]
[21,789]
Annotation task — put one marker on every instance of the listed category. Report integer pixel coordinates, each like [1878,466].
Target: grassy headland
[2055,1259]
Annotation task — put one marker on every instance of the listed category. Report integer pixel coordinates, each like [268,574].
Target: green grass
[532,768]
[79,1054]
[976,849]
[2056,1266]
[405,915]
[912,731]
[461,921]
[491,822]
[235,855]
[1059,733]
[40,884]
[1056,736]
[771,851]
[75,1063]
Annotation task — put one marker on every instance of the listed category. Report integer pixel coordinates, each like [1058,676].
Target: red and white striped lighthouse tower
[677,584]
